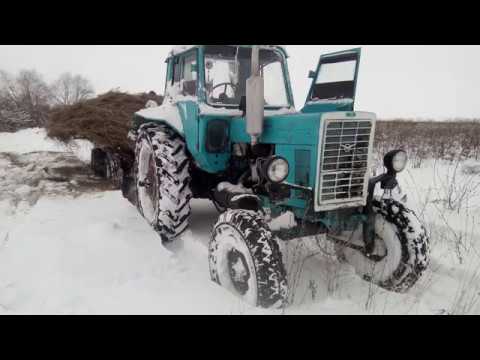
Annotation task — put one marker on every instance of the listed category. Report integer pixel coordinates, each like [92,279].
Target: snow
[210,110]
[284,221]
[94,254]
[167,112]
[35,139]
[206,109]
[327,101]
[28,140]
[281,111]
[180,49]
[109,266]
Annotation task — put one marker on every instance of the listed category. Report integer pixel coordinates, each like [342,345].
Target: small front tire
[402,244]
[245,258]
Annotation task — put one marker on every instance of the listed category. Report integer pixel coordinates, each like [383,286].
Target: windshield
[227,69]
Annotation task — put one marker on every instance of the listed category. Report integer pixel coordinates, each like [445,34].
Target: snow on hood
[282,111]
[173,95]
[211,110]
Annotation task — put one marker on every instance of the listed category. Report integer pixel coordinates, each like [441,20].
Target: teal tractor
[228,131]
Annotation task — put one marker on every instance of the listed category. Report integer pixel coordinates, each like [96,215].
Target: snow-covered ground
[66,252]
[35,139]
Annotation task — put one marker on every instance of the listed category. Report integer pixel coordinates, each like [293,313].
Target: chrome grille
[344,161]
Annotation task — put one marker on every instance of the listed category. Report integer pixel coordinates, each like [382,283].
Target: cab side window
[185,73]
[189,74]
[177,70]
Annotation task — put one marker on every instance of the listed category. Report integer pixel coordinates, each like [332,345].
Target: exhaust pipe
[255,98]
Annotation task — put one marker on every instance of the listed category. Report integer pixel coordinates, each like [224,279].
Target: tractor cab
[217,75]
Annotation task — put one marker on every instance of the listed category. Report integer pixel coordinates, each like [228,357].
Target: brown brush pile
[104,120]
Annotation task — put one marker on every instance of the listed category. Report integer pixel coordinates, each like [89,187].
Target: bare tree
[69,89]
[7,90]
[28,89]
[25,94]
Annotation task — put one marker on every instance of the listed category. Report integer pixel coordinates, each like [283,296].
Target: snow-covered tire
[162,180]
[245,258]
[401,236]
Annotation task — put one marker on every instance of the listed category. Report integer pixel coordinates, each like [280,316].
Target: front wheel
[401,244]
[245,258]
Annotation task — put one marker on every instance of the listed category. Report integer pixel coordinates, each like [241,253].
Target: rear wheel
[245,258]
[162,180]
[401,248]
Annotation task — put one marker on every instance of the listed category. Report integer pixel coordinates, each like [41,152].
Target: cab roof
[179,49]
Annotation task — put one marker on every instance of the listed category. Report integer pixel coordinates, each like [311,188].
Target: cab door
[334,82]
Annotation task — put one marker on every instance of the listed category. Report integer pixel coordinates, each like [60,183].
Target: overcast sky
[395,81]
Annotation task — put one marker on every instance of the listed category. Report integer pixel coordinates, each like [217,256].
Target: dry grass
[443,140]
[104,120]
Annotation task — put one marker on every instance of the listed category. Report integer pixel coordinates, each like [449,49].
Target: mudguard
[168,114]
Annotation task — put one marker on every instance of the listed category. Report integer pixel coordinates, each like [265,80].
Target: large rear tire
[245,258]
[403,243]
[162,180]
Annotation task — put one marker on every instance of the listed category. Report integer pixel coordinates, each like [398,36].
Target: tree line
[26,98]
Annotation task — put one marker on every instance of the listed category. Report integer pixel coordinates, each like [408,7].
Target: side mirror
[311,74]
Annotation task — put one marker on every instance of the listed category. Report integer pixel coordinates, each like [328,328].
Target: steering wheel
[226,84]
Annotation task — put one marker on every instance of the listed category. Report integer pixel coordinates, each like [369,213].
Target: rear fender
[168,114]
[180,117]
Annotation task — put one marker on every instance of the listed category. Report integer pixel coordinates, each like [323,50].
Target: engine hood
[298,129]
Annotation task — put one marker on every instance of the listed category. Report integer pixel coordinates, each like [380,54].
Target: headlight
[277,169]
[395,161]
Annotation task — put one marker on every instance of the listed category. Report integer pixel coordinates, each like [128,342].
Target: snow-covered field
[73,249]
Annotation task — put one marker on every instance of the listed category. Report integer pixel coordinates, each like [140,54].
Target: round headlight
[396,161]
[277,169]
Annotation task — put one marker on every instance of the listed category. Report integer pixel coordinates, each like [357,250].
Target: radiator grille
[344,160]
